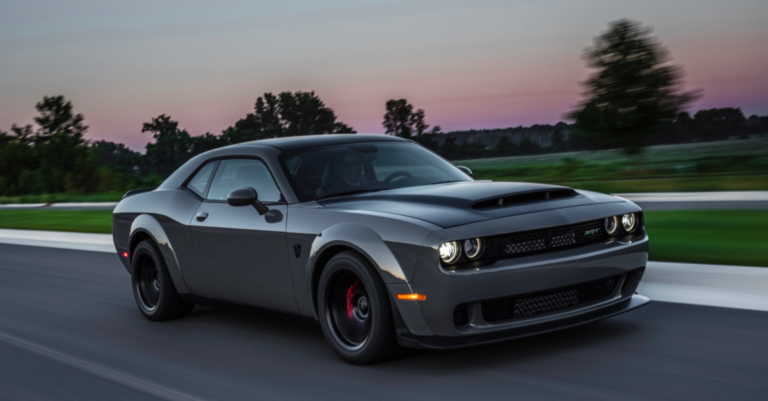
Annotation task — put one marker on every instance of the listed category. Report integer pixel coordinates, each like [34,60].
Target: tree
[528,147]
[400,120]
[204,143]
[558,140]
[57,121]
[683,128]
[117,156]
[287,114]
[717,124]
[504,147]
[171,148]
[634,89]
[52,157]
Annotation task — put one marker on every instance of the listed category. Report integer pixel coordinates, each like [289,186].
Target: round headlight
[611,225]
[449,251]
[629,221]
[473,247]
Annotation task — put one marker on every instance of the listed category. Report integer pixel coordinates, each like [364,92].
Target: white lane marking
[739,287]
[84,204]
[62,240]
[23,205]
[104,372]
[55,205]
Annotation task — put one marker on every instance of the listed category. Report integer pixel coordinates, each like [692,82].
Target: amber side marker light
[412,297]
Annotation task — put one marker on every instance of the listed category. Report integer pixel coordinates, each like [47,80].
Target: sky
[468,64]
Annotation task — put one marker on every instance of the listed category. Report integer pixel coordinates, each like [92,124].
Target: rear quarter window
[199,182]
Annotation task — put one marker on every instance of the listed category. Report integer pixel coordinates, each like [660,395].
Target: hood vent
[524,198]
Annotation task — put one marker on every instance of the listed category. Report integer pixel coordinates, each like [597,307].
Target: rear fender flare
[147,224]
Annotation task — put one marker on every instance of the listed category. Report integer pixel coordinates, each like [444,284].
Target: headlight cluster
[450,251]
[628,222]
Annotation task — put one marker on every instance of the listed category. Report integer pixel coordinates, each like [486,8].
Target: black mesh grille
[460,315]
[540,240]
[521,306]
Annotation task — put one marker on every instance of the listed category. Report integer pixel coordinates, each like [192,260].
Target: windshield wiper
[355,192]
[445,182]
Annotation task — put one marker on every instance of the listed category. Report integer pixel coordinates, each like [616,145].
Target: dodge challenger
[383,242]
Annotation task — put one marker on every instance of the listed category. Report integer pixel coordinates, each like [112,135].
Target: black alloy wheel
[355,310]
[153,288]
[349,313]
[148,284]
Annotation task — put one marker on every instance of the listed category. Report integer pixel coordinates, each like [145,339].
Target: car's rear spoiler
[138,191]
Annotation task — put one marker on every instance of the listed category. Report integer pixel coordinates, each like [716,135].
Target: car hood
[459,203]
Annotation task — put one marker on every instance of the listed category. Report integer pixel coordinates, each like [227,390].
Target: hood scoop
[524,198]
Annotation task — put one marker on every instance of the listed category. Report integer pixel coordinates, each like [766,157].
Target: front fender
[364,240]
[369,244]
[147,224]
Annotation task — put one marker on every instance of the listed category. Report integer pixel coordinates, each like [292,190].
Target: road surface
[69,330]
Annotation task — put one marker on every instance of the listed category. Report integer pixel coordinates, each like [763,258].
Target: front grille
[460,315]
[521,306]
[542,240]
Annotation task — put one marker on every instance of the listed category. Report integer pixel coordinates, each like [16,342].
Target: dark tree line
[632,99]
[52,156]
[287,114]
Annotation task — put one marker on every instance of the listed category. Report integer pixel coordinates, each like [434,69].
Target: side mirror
[246,197]
[465,170]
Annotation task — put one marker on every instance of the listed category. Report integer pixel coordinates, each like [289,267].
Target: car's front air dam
[440,342]
[518,277]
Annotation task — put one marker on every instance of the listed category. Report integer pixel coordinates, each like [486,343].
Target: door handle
[202,216]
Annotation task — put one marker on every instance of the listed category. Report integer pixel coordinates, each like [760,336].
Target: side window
[199,182]
[243,173]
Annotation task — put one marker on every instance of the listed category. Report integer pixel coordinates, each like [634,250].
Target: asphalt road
[69,330]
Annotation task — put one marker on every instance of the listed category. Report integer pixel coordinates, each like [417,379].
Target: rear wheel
[155,294]
[355,312]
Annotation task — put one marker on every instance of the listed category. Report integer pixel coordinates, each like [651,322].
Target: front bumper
[431,324]
[406,339]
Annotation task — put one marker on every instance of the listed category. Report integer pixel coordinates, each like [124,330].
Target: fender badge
[297,249]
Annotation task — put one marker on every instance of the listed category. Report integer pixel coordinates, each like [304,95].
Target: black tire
[153,289]
[355,310]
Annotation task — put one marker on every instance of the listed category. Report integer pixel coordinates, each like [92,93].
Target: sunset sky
[469,64]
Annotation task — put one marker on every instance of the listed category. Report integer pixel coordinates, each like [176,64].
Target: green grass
[83,221]
[736,165]
[61,198]
[730,237]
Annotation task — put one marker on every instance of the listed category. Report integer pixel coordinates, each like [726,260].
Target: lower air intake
[521,306]
[460,315]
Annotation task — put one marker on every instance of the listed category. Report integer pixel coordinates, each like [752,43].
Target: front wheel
[354,310]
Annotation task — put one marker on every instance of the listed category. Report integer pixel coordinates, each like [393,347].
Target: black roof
[311,141]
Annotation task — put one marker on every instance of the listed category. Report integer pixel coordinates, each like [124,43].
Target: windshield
[340,170]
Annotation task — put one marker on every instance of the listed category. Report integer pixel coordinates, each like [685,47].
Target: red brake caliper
[350,308]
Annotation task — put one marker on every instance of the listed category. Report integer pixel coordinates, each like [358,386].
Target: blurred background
[664,103]
[97,98]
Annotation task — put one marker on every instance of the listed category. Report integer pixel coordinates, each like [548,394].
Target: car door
[240,255]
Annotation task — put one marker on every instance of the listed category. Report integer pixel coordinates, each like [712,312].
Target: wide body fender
[147,224]
[365,241]
[368,243]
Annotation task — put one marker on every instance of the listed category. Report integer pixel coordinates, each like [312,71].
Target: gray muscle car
[383,242]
